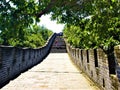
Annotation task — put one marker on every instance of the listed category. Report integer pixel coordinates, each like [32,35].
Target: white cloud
[52,25]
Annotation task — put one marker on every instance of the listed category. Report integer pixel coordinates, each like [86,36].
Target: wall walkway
[56,72]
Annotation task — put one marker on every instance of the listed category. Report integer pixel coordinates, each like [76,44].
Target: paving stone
[56,72]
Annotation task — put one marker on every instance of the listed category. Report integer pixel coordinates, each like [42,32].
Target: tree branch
[47,9]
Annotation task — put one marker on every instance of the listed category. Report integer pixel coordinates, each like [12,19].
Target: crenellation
[85,63]
[80,61]
[117,53]
[94,63]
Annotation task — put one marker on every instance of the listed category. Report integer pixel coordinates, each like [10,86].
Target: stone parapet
[94,63]
[14,61]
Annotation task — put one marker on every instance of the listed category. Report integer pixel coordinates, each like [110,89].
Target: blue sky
[52,25]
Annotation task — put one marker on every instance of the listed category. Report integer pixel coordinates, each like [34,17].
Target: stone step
[59,45]
[58,51]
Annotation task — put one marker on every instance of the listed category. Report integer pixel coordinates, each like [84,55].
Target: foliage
[18,23]
[102,29]
[33,37]
[90,24]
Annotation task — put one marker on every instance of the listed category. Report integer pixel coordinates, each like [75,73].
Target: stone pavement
[56,72]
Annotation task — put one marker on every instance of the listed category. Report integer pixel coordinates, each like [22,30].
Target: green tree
[102,27]
[16,18]
[32,37]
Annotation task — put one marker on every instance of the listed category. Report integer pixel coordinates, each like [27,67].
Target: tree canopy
[18,23]
[93,23]
[101,28]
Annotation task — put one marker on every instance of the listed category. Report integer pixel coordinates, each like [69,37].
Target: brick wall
[14,61]
[94,64]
